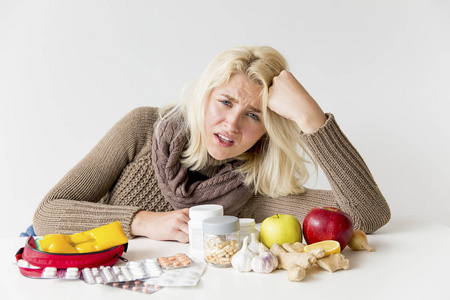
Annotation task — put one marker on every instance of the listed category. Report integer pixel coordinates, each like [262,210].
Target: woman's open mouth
[223,140]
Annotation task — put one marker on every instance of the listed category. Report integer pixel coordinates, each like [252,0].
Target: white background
[70,69]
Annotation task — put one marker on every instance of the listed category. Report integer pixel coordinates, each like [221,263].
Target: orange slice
[330,247]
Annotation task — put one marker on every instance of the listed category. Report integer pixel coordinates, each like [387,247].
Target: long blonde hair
[276,164]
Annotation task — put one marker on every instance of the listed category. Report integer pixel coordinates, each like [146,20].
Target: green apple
[280,229]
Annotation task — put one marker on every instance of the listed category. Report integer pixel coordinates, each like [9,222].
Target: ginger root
[296,263]
[292,258]
[296,274]
[294,248]
[334,262]
[277,249]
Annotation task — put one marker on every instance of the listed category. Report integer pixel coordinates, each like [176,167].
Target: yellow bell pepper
[97,239]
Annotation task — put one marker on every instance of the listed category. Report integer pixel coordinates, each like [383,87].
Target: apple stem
[278,216]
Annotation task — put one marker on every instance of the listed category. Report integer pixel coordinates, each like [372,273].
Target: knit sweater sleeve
[353,188]
[73,204]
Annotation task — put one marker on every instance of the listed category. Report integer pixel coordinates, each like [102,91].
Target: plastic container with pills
[197,214]
[221,240]
[247,227]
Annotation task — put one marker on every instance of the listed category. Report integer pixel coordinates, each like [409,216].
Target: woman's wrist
[137,224]
[311,124]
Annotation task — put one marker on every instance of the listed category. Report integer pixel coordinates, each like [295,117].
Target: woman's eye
[253,116]
[225,102]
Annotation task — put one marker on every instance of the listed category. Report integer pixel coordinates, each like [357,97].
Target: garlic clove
[359,241]
[254,244]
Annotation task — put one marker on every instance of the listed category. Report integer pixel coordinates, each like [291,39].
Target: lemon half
[330,247]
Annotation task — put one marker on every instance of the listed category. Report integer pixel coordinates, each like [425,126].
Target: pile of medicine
[133,270]
[134,276]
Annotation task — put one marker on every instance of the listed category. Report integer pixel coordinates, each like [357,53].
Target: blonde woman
[240,137]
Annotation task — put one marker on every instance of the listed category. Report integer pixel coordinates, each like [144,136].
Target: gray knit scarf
[184,188]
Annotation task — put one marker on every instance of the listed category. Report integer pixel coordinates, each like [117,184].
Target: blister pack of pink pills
[132,271]
[179,260]
[135,286]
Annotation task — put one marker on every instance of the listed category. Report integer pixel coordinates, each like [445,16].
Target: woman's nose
[232,122]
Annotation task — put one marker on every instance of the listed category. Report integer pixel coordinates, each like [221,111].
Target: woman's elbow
[373,219]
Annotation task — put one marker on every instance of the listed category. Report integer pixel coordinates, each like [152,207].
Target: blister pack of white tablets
[69,273]
[133,270]
[22,263]
[180,277]
[49,272]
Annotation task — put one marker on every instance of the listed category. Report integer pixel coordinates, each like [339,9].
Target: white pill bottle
[197,214]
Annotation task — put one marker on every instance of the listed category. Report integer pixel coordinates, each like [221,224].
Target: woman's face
[233,118]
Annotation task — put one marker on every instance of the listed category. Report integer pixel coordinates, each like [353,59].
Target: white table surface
[411,261]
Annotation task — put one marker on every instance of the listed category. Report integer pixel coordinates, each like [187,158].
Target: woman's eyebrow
[252,108]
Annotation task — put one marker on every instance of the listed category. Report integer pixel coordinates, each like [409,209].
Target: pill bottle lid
[246,223]
[221,225]
[201,212]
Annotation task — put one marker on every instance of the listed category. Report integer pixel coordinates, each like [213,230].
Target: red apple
[327,223]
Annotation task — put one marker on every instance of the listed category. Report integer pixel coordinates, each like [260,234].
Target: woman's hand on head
[162,226]
[288,98]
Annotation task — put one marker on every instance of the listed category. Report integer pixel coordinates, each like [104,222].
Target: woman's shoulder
[140,118]
[144,112]
[136,124]
[135,130]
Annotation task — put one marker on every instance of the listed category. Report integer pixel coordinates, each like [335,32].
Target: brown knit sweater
[116,180]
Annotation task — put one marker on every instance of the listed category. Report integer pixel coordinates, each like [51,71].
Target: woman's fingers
[183,218]
[162,226]
[184,214]
[289,99]
[181,237]
[180,229]
[184,227]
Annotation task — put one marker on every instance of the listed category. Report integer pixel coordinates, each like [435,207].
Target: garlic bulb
[242,260]
[254,243]
[265,262]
